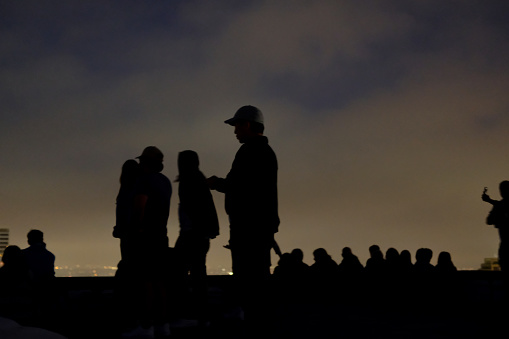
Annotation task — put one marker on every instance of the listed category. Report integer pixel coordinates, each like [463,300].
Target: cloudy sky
[388,117]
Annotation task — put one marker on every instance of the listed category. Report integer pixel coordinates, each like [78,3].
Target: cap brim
[230,121]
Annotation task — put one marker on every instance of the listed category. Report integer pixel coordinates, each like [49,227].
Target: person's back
[324,266]
[253,187]
[156,187]
[197,212]
[16,298]
[299,267]
[376,262]
[350,263]
[40,261]
[14,274]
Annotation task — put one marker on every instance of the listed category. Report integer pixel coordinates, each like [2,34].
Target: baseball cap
[246,113]
[151,153]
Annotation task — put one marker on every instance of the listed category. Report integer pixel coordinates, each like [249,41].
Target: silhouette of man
[350,262]
[40,261]
[251,202]
[41,265]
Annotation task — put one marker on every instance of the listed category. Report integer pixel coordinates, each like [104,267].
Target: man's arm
[218,184]
[487,199]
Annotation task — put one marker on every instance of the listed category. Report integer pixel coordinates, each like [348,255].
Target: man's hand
[485,196]
[212,182]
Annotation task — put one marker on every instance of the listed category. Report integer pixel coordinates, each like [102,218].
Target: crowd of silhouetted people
[292,266]
[392,277]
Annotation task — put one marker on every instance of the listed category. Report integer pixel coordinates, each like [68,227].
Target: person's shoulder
[163,177]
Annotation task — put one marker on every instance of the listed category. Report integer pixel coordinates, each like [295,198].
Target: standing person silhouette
[151,210]
[251,203]
[41,264]
[124,215]
[198,224]
[499,217]
[127,282]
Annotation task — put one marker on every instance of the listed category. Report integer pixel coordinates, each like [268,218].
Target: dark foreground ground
[472,305]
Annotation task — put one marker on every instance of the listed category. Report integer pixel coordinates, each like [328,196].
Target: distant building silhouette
[4,239]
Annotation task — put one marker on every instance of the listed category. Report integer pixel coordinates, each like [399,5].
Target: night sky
[388,117]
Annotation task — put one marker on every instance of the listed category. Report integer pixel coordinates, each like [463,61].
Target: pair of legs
[191,255]
[251,273]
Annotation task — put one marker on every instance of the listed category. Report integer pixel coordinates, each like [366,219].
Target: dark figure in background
[350,272]
[251,202]
[445,264]
[423,263]
[291,267]
[350,263]
[301,268]
[150,217]
[41,262]
[323,275]
[392,261]
[499,217]
[375,269]
[405,261]
[198,224]
[16,298]
[376,262]
[291,276]
[447,282]
[127,286]
[284,271]
[324,266]
[124,227]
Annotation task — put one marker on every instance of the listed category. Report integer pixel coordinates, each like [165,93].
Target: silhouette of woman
[124,209]
[198,224]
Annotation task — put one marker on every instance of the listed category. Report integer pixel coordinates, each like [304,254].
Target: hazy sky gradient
[388,117]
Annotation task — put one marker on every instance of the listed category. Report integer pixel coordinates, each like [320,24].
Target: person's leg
[198,270]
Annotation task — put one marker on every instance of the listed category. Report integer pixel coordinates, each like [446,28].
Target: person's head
[320,254]
[392,254]
[130,171]
[423,255]
[248,122]
[405,256]
[188,161]
[504,189]
[286,258]
[35,237]
[298,254]
[152,159]
[12,255]
[444,258]
[346,252]
[374,250]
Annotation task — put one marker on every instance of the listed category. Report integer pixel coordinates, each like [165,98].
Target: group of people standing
[142,211]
